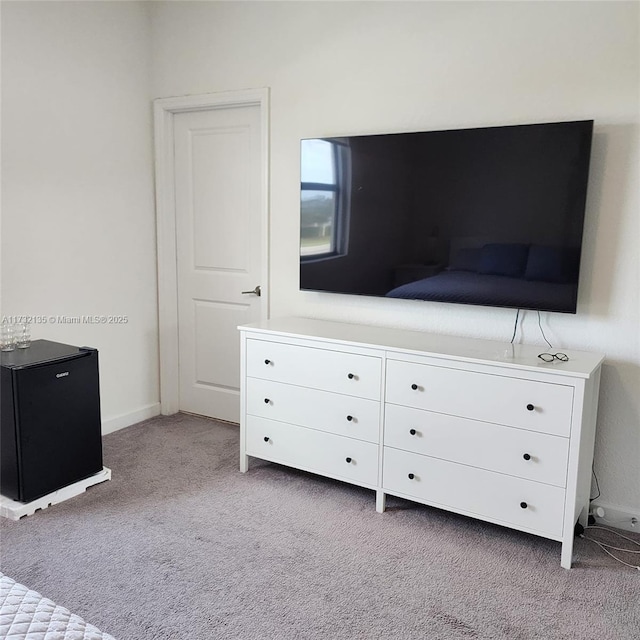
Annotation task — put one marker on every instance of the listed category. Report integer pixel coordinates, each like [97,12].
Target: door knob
[256,292]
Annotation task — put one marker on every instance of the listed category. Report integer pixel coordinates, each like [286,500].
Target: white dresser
[481,428]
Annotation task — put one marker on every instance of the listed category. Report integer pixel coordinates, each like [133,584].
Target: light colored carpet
[181,545]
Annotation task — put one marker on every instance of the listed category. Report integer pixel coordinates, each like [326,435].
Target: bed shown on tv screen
[491,216]
[503,275]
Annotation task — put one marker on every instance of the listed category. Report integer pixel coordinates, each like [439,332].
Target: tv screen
[488,216]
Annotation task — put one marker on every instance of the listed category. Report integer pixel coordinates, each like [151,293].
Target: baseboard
[617,516]
[127,419]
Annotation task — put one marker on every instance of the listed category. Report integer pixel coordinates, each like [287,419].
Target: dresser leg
[567,552]
[244,463]
[381,500]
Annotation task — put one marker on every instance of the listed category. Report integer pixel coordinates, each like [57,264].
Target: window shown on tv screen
[491,216]
[324,205]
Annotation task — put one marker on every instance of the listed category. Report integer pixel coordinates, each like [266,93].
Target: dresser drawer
[348,373]
[343,458]
[523,504]
[335,413]
[528,404]
[517,452]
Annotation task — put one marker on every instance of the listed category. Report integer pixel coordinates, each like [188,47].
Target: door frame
[164,111]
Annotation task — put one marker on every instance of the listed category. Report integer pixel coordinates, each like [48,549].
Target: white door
[219,244]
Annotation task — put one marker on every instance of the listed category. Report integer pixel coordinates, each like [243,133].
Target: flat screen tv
[488,216]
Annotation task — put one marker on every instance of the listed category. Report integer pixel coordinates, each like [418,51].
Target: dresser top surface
[521,356]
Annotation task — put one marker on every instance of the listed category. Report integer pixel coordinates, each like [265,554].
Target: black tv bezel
[588,124]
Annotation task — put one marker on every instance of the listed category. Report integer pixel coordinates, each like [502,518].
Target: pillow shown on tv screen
[504,259]
[552,264]
[467,259]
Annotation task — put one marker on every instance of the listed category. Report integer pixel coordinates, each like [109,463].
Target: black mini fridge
[50,427]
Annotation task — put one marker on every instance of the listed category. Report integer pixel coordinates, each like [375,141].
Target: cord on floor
[605,546]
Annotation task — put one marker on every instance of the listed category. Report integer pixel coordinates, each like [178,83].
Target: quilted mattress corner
[27,615]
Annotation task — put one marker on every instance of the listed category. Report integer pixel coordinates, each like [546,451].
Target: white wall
[365,67]
[78,230]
